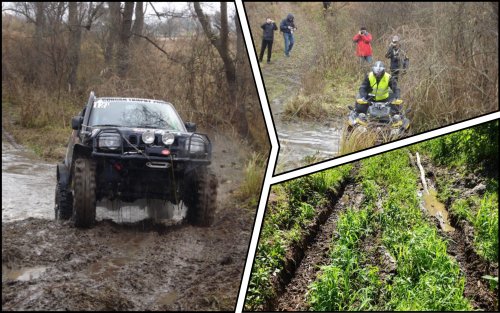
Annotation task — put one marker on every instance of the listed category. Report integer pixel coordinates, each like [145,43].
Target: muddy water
[301,139]
[22,274]
[437,209]
[28,186]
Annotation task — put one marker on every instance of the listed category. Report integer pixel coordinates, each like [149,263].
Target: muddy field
[305,259]
[124,262]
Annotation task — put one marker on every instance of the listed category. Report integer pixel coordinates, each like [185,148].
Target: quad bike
[379,120]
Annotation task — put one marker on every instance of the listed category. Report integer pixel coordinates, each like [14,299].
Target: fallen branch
[422,174]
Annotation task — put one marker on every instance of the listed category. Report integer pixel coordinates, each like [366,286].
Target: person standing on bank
[287,26]
[363,48]
[269,27]
[399,59]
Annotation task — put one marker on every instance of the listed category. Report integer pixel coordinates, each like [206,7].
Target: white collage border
[269,179]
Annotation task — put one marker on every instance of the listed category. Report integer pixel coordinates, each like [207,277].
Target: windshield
[135,114]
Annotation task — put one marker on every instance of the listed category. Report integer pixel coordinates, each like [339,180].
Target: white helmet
[378,69]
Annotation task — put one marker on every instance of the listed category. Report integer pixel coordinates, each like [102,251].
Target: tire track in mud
[316,253]
[461,247]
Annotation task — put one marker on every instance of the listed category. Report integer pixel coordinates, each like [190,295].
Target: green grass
[426,277]
[471,149]
[482,213]
[294,207]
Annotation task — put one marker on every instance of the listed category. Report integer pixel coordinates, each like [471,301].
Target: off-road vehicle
[379,120]
[128,149]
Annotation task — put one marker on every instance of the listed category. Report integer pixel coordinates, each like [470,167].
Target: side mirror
[191,127]
[76,122]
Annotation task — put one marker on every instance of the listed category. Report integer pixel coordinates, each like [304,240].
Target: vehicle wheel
[84,185]
[200,196]
[63,203]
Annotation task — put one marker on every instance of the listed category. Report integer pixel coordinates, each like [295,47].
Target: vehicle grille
[132,139]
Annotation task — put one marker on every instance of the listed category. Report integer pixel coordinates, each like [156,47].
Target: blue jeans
[288,42]
[367,59]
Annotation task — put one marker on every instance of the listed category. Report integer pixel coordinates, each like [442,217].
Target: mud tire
[84,199]
[200,196]
[63,208]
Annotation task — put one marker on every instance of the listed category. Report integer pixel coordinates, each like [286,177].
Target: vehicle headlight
[396,118]
[362,116]
[395,132]
[148,137]
[168,138]
[196,145]
[111,141]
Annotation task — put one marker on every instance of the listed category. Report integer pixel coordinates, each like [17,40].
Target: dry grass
[356,141]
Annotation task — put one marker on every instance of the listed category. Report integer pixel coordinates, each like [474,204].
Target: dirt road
[132,264]
[298,139]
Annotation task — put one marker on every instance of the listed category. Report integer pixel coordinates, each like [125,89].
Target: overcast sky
[208,7]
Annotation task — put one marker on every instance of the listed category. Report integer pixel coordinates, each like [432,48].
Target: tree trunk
[114,20]
[139,20]
[241,73]
[221,44]
[125,33]
[38,42]
[74,44]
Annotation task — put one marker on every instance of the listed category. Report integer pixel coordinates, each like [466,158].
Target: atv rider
[378,82]
[399,59]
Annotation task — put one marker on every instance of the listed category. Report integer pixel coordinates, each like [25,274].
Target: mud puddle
[300,139]
[461,241]
[437,209]
[27,185]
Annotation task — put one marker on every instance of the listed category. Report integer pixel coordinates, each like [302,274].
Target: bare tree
[75,39]
[38,41]
[220,42]
[123,52]
[113,24]
[139,20]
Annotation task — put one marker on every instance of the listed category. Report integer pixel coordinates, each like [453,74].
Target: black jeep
[127,149]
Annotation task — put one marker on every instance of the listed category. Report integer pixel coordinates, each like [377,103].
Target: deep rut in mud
[305,259]
[460,243]
[315,254]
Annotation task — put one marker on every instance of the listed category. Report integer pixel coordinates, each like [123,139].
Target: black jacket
[365,88]
[269,29]
[288,21]
[398,58]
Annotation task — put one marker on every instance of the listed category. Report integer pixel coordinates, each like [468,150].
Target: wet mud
[126,261]
[460,241]
[315,255]
[305,259]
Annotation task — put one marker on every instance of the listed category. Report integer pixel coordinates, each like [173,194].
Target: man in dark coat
[287,26]
[399,59]
[269,28]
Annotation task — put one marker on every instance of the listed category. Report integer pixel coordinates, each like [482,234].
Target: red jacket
[364,48]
